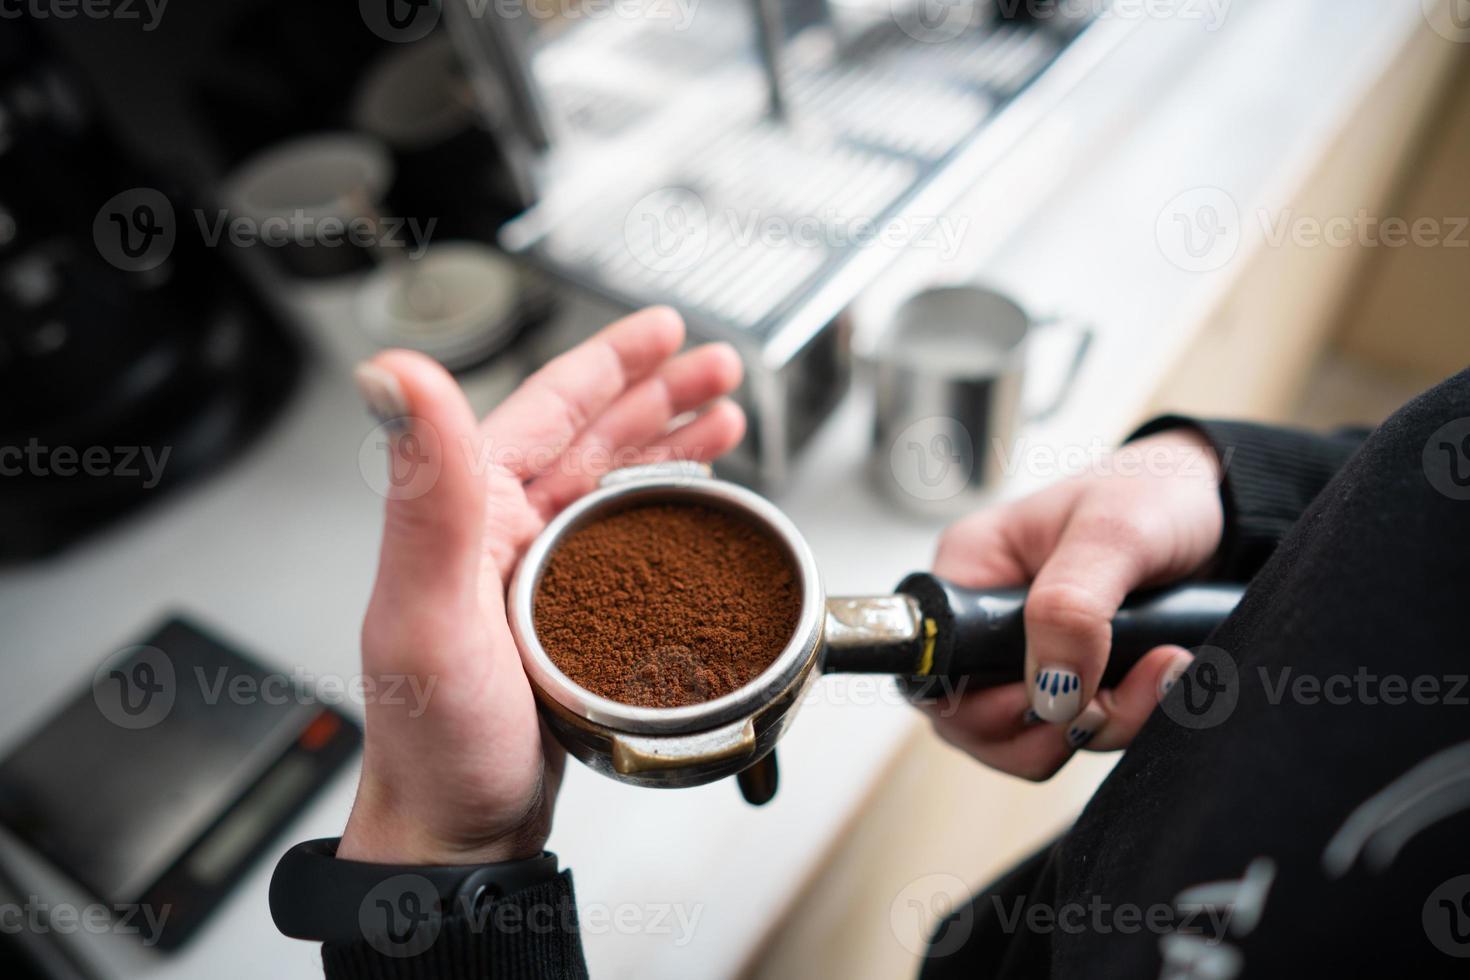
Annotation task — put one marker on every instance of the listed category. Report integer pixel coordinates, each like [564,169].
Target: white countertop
[277,551]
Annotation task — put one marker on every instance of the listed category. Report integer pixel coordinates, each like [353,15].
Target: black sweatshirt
[1298,805]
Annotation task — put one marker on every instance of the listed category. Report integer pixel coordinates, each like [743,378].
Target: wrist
[1181,475]
[1188,447]
[382,842]
[379,832]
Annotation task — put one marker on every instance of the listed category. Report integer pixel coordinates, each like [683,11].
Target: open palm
[466,774]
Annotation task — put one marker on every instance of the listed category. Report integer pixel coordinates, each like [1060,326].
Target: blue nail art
[396,424]
[1031,717]
[1078,737]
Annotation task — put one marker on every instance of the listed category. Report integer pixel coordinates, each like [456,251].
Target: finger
[990,715]
[1006,545]
[715,432]
[1070,607]
[530,429]
[976,552]
[994,727]
[1130,704]
[638,417]
[434,517]
[1082,730]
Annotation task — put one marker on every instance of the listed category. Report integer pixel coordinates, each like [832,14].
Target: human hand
[472,778]
[1153,516]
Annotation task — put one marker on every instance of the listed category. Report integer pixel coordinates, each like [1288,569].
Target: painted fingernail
[383,394]
[1057,694]
[1088,724]
[1172,675]
[1030,718]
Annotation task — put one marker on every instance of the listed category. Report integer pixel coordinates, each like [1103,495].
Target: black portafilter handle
[978,637]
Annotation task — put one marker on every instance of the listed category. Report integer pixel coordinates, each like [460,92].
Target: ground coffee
[664,605]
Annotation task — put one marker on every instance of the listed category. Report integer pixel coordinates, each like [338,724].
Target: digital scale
[163,781]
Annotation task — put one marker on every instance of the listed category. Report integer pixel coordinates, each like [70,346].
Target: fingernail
[384,396]
[1057,694]
[1088,724]
[1031,718]
[1172,675]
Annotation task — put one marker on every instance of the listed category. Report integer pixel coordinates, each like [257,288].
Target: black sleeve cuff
[529,934]
[1271,475]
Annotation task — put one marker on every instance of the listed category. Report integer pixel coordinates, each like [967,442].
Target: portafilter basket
[691,744]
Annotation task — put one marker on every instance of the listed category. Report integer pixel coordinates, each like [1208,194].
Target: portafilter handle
[941,638]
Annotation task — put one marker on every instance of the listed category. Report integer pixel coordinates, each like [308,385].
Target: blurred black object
[450,167]
[132,356]
[35,953]
[250,74]
[266,92]
[18,959]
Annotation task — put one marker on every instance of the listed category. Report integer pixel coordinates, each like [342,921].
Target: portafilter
[937,638]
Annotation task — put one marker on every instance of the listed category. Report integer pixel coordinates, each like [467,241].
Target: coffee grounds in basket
[663,605]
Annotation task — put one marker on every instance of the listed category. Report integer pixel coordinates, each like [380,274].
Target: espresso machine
[757,165]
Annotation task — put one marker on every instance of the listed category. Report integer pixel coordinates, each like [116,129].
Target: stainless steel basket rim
[799,653]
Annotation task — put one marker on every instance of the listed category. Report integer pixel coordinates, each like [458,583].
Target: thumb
[1131,703]
[434,519]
